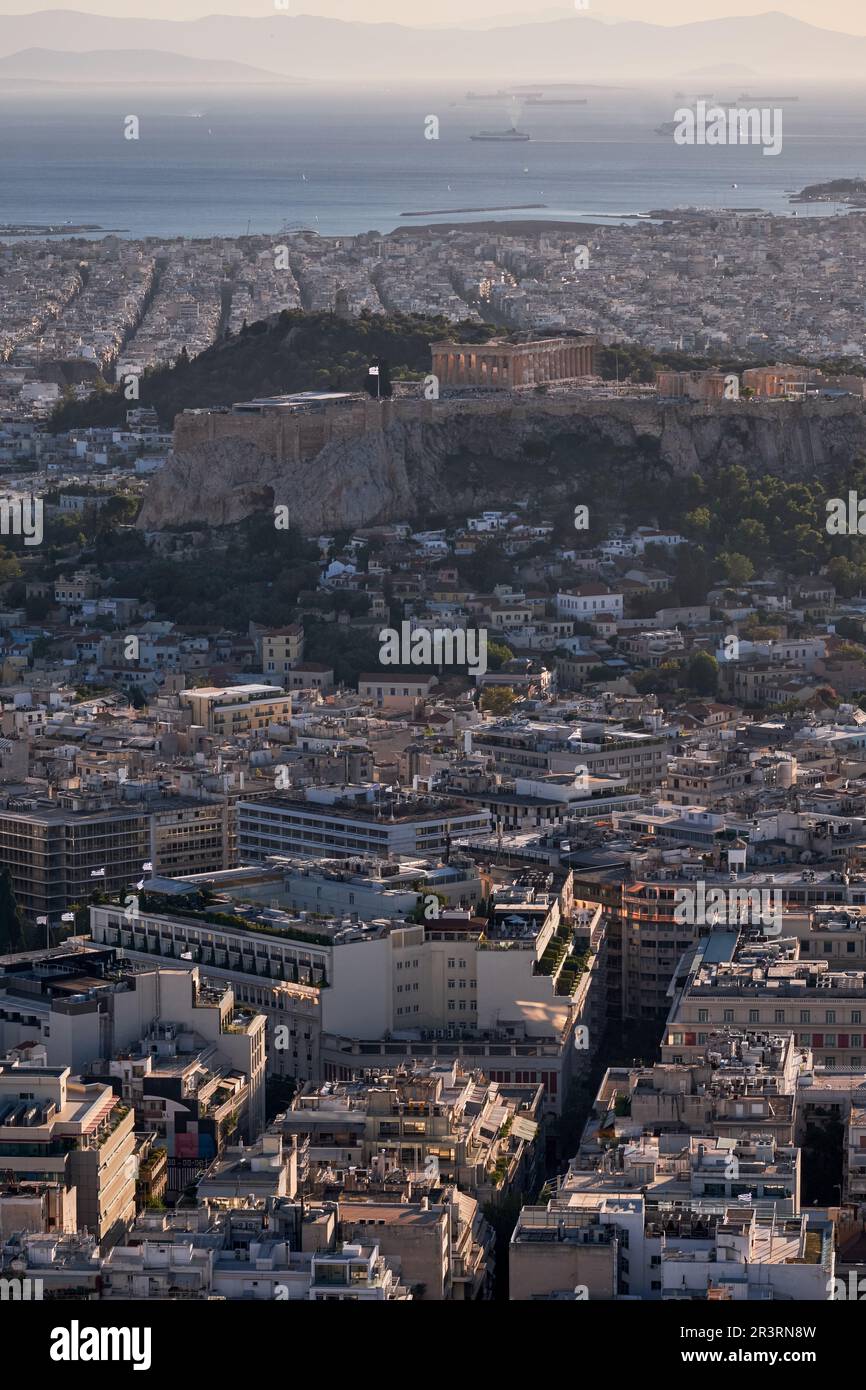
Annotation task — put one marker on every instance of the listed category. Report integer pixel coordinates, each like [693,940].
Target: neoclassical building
[504,366]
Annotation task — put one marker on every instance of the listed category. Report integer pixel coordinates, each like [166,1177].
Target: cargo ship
[508,137]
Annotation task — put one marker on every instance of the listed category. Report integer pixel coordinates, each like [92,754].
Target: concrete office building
[353,821]
[512,994]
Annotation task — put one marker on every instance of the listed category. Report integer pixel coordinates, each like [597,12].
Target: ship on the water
[509,137]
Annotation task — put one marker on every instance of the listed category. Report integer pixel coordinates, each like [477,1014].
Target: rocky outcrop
[414,459]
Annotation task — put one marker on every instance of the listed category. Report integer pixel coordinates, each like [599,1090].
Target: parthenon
[502,366]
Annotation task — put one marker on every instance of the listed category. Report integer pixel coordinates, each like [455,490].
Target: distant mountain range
[577,47]
[141,65]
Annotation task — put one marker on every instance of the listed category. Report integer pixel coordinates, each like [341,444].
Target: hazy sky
[848,15]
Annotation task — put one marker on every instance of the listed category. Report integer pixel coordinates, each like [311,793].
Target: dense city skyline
[432,680]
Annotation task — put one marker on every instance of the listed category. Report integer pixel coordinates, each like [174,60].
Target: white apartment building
[587,603]
[338,990]
[353,820]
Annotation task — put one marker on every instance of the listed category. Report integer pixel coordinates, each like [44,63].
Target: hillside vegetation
[292,351]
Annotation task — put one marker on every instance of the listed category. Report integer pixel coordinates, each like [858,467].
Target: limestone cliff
[414,459]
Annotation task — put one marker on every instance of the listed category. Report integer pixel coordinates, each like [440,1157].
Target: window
[728,1016]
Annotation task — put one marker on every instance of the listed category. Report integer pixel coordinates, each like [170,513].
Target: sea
[227,162]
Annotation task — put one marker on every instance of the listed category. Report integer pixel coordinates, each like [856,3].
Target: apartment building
[194,836]
[56,1129]
[525,993]
[555,1252]
[519,748]
[280,649]
[194,1267]
[353,821]
[478,1134]
[704,779]
[588,602]
[748,980]
[444,1246]
[646,908]
[95,1012]
[394,690]
[237,709]
[58,854]
[745,1084]
[58,850]
[554,799]
[617,1243]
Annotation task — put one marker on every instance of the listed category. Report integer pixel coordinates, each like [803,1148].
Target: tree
[738,568]
[497,699]
[703,673]
[750,538]
[497,652]
[13,933]
[692,574]
[9,566]
[697,523]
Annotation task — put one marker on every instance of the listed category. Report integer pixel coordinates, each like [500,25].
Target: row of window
[780,1016]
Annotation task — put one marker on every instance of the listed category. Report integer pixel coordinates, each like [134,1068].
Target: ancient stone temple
[504,366]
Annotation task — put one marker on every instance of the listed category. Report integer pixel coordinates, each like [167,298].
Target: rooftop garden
[569,975]
[195,905]
[557,960]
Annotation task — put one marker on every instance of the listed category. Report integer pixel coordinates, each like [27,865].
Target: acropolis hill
[359,461]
